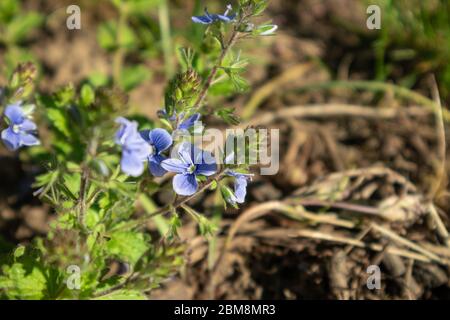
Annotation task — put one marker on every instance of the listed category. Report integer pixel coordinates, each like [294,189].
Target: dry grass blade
[332,237]
[334,110]
[396,238]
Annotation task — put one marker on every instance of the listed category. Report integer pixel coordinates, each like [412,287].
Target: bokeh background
[362,115]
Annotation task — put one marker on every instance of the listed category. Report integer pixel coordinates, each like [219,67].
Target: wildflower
[189,122]
[21,128]
[185,124]
[159,140]
[240,186]
[192,162]
[135,150]
[211,18]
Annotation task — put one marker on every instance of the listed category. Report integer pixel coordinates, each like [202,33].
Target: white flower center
[16,128]
[152,150]
[191,169]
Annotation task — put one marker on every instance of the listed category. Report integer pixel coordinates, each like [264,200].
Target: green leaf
[59,120]
[174,224]
[21,26]
[134,76]
[107,36]
[28,278]
[128,246]
[123,294]
[87,95]
[227,115]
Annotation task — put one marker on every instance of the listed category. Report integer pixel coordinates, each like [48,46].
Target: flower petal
[185,185]
[185,151]
[160,139]
[11,139]
[206,169]
[189,122]
[154,165]
[27,139]
[174,165]
[145,134]
[226,18]
[127,129]
[14,113]
[131,164]
[28,125]
[201,157]
[202,19]
[240,188]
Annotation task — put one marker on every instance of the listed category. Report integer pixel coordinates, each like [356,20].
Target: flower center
[16,128]
[191,169]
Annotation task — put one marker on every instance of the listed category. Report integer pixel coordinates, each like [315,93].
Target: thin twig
[203,92]
[167,209]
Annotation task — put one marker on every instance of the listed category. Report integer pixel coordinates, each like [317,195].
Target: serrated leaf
[59,120]
[128,246]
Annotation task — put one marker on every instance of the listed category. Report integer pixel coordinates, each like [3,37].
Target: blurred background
[362,156]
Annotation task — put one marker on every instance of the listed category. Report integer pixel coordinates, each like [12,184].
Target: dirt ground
[364,170]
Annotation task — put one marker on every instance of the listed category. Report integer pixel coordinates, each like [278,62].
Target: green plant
[94,177]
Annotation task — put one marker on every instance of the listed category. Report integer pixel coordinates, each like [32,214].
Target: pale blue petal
[27,139]
[131,164]
[11,139]
[160,139]
[175,165]
[138,147]
[226,19]
[185,151]
[14,113]
[240,189]
[185,185]
[154,165]
[127,132]
[28,125]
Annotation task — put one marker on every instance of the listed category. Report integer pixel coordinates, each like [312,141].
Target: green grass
[415,33]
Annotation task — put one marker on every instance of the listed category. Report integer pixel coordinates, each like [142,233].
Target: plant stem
[169,208]
[210,79]
[83,190]
[120,52]
[164,24]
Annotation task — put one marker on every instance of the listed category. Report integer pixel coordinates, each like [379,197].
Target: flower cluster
[21,129]
[211,18]
[189,164]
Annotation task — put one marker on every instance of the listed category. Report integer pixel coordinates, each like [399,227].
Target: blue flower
[21,129]
[163,114]
[189,122]
[159,140]
[240,186]
[135,150]
[185,124]
[191,163]
[211,18]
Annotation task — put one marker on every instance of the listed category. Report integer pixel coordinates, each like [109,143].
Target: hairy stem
[203,93]
[178,203]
